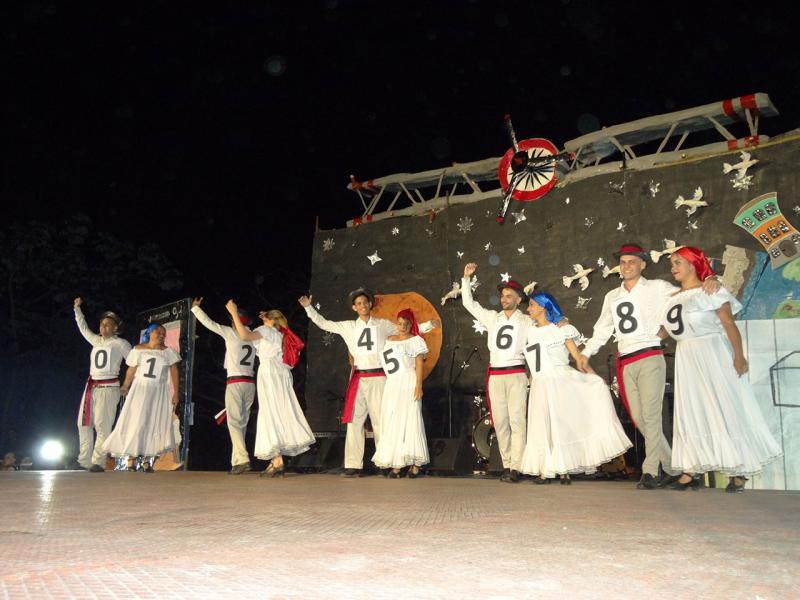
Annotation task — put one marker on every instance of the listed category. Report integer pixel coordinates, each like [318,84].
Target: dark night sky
[222,130]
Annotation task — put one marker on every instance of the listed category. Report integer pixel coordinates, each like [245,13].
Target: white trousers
[368,402]
[103,410]
[238,402]
[508,397]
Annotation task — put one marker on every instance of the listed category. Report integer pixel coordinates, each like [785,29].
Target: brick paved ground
[209,535]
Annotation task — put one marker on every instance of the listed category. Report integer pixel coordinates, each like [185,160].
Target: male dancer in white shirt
[506,381]
[365,337]
[633,313]
[240,389]
[101,394]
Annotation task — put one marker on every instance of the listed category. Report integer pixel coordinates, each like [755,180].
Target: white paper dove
[606,271]
[529,288]
[669,248]
[452,294]
[580,274]
[744,163]
[693,204]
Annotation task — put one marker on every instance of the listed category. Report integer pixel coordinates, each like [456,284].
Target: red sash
[622,362]
[240,379]
[87,399]
[352,389]
[498,371]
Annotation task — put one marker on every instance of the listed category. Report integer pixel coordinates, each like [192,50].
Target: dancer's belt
[513,369]
[352,389]
[623,360]
[240,379]
[87,400]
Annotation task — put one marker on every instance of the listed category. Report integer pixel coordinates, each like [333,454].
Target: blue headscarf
[550,306]
[150,329]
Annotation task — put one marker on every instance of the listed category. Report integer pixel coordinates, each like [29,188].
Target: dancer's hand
[582,364]
[175,401]
[740,364]
[232,308]
[435,323]
[469,269]
[417,393]
[711,285]
[305,301]
[123,390]
[77,302]
[197,301]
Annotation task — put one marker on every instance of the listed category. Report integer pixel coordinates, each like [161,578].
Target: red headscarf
[292,345]
[408,315]
[699,261]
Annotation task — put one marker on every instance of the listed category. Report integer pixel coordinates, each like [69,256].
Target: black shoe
[733,487]
[96,469]
[566,480]
[513,476]
[240,468]
[666,480]
[351,473]
[148,469]
[506,476]
[272,472]
[647,482]
[393,474]
[541,480]
[413,472]
[693,484]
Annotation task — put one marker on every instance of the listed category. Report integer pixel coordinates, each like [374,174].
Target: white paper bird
[745,163]
[582,303]
[621,226]
[669,248]
[581,274]
[693,204]
[601,261]
[452,294]
[459,254]
[606,271]
[473,283]
[521,249]
[529,288]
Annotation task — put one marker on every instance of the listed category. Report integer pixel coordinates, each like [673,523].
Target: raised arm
[483,315]
[207,322]
[93,338]
[247,336]
[337,327]
[734,336]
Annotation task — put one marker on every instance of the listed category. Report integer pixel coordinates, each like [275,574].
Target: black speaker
[325,453]
[450,456]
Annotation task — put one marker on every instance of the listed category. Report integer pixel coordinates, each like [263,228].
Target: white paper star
[459,254]
[588,221]
[519,217]
[521,249]
[328,244]
[487,246]
[373,258]
[327,338]
[582,303]
[654,188]
[796,209]
[395,230]
[476,325]
[504,277]
[621,226]
[464,224]
[691,225]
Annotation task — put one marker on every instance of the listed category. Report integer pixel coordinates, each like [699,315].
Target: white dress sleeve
[172,357]
[716,300]
[569,332]
[132,360]
[417,346]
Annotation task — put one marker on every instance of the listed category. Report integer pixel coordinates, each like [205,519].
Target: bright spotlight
[52,450]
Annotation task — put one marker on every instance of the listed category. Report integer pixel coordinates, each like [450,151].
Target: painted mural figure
[101,395]
[718,425]
[365,338]
[281,428]
[145,428]
[506,388]
[632,312]
[402,437]
[572,424]
[240,388]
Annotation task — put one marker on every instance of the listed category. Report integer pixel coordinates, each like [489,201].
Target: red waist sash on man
[240,379]
[87,399]
[626,359]
[499,371]
[352,389]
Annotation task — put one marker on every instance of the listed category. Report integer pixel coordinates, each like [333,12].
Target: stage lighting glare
[52,450]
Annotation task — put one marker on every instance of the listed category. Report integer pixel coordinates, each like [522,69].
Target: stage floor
[211,535]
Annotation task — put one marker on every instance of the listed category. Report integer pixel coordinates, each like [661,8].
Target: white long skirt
[144,427]
[402,435]
[718,425]
[281,427]
[572,424]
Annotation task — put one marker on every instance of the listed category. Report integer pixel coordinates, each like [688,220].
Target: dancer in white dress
[402,437]
[281,427]
[572,424]
[717,424]
[101,394]
[144,427]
